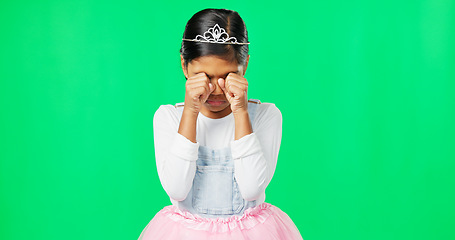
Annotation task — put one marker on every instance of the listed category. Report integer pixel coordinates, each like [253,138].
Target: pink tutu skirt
[263,222]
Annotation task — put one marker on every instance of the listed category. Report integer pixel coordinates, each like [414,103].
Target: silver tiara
[215,34]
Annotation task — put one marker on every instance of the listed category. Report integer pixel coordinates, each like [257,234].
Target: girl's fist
[198,89]
[235,88]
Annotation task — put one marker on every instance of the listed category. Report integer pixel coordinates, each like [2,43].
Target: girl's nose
[218,89]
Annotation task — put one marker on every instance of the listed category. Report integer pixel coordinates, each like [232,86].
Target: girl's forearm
[242,124]
[187,127]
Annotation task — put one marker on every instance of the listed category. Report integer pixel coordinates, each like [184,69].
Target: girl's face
[216,106]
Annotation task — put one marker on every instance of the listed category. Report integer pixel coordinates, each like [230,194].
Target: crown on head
[216,34]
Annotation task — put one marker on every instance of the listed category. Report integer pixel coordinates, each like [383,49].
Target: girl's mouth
[215,102]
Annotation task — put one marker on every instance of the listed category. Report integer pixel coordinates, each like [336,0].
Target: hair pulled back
[203,20]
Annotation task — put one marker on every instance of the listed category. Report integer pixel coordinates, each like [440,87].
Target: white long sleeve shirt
[255,155]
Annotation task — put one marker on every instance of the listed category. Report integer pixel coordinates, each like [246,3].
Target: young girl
[216,152]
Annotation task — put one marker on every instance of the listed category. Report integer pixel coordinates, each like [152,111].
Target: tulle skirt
[263,222]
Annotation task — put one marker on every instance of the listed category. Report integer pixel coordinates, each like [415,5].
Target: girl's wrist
[242,124]
[240,112]
[189,111]
[187,126]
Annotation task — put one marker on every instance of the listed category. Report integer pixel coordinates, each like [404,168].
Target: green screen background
[366,90]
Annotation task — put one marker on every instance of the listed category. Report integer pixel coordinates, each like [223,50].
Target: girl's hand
[235,88]
[198,89]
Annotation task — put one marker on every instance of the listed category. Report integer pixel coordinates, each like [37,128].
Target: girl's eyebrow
[210,76]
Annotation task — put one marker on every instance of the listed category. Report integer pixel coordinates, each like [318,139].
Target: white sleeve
[175,155]
[255,155]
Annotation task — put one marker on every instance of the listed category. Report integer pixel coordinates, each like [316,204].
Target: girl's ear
[185,70]
[246,64]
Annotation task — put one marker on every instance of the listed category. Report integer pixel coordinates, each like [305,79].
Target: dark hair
[203,20]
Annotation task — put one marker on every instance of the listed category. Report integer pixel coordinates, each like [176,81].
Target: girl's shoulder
[166,112]
[263,113]
[266,111]
[262,110]
[171,108]
[262,106]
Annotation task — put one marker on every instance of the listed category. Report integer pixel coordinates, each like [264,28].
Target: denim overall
[215,192]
